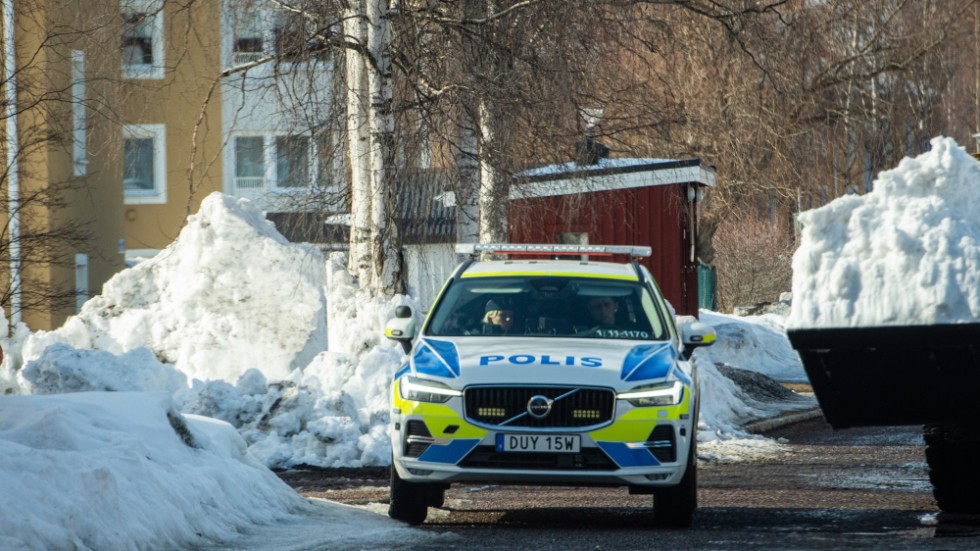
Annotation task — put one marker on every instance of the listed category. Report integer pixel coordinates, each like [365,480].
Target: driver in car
[603,310]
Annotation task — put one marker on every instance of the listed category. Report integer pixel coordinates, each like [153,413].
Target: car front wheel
[409,500]
[674,507]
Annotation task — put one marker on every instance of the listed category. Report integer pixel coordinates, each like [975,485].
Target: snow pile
[907,253]
[229,295]
[124,470]
[757,343]
[63,368]
[239,314]
[333,413]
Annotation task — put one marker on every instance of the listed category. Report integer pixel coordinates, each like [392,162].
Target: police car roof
[572,268]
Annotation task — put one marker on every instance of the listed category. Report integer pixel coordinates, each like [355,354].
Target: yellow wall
[87,205]
[193,162]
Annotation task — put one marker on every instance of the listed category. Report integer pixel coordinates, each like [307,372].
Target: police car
[564,371]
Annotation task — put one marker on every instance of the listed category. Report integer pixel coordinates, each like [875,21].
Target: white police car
[546,372]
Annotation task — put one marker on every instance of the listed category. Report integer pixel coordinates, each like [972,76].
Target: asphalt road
[857,488]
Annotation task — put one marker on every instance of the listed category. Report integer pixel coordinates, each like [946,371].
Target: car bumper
[422,471]
[641,447]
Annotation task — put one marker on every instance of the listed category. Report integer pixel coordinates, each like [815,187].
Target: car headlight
[661,394]
[424,390]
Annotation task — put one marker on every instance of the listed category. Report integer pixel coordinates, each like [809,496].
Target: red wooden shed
[652,202]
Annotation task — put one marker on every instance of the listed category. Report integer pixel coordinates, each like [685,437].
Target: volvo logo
[539,406]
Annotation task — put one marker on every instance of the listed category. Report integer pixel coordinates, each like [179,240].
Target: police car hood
[619,364]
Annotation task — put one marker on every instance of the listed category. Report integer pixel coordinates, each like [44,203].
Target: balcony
[249,182]
[241,58]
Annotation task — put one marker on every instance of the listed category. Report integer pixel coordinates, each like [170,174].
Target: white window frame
[234,163]
[259,12]
[158,195]
[81,280]
[311,169]
[269,17]
[79,124]
[270,180]
[154,10]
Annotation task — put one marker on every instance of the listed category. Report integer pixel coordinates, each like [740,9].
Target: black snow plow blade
[893,375]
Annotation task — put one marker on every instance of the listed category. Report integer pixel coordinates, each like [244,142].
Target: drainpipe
[13,152]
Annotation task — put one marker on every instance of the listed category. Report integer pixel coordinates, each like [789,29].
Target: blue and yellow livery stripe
[682,377]
[624,456]
[648,361]
[437,417]
[635,425]
[405,368]
[437,358]
[450,453]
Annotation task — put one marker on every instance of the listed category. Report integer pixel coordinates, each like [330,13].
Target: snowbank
[231,320]
[907,253]
[231,294]
[123,470]
[756,343]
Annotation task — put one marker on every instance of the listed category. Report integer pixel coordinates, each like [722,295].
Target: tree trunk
[468,187]
[385,241]
[358,144]
[494,185]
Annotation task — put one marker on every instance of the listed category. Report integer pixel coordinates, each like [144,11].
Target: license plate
[550,443]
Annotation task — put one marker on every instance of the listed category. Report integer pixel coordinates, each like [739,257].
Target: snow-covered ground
[151,419]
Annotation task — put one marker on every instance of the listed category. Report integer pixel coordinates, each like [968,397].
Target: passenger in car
[499,318]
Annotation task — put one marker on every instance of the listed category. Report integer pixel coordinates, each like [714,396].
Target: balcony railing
[251,182]
[240,58]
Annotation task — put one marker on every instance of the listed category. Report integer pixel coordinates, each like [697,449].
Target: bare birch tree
[358,139]
[795,102]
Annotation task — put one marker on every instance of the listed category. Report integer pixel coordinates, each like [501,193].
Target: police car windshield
[548,306]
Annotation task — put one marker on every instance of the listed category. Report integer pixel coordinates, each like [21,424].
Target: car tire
[674,507]
[951,452]
[437,497]
[409,500]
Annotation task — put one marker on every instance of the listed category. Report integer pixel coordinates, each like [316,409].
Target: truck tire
[674,507]
[951,452]
[409,500]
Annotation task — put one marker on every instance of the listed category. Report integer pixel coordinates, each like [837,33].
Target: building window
[260,28]
[275,162]
[249,162]
[290,36]
[81,280]
[144,164]
[79,126]
[292,161]
[142,38]
[248,35]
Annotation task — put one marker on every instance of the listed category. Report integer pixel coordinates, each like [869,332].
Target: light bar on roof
[551,249]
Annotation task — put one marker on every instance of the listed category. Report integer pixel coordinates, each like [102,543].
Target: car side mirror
[402,327]
[695,334]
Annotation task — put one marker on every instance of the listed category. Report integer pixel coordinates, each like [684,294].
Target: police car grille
[573,407]
[487,457]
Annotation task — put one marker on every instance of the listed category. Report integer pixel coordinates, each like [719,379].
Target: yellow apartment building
[127,113]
